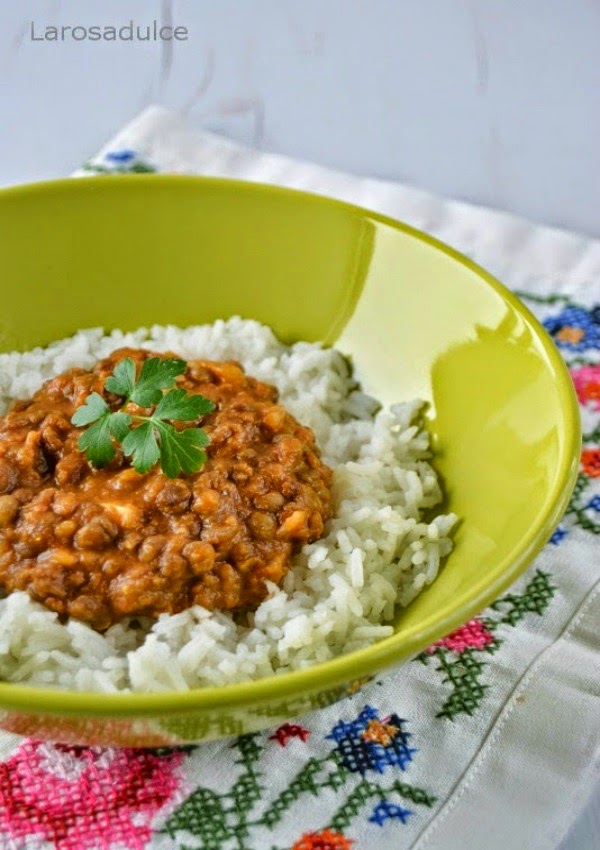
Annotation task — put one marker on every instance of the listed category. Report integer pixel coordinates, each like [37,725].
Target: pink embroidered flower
[83,798]
[473,635]
[587,384]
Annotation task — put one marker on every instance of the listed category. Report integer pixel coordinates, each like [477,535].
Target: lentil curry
[104,544]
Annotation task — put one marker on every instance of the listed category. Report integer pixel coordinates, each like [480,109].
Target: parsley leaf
[94,408]
[181,451]
[120,424]
[97,444]
[177,404]
[122,380]
[145,439]
[156,375]
[140,444]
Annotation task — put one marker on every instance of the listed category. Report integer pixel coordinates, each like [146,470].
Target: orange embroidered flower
[324,840]
[570,334]
[380,733]
[590,462]
[575,328]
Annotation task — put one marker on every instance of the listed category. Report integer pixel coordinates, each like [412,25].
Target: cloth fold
[490,738]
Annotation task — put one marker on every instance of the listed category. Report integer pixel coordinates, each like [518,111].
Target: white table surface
[493,102]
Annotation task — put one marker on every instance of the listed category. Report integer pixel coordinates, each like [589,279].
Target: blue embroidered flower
[575,328]
[125,155]
[594,503]
[385,811]
[558,536]
[369,743]
[123,161]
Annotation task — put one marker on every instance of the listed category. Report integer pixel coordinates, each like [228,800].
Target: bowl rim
[352,666]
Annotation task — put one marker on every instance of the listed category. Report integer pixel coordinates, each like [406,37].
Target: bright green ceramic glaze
[420,320]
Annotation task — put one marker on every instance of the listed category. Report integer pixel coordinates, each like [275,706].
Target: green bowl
[420,320]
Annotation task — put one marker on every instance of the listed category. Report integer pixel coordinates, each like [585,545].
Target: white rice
[342,591]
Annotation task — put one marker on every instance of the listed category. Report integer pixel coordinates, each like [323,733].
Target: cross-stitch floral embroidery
[368,743]
[587,385]
[590,462]
[123,161]
[325,840]
[83,798]
[575,328]
[289,730]
[473,634]
[461,654]
[365,747]
[385,811]
[576,331]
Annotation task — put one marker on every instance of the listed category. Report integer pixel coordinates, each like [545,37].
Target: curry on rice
[286,555]
[101,545]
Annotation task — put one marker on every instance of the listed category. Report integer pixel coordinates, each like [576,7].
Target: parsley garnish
[145,439]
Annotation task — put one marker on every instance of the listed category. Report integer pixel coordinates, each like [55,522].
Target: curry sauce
[100,545]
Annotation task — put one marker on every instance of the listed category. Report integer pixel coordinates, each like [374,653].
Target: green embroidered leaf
[355,801]
[141,168]
[202,815]
[535,599]
[416,795]
[247,789]
[305,781]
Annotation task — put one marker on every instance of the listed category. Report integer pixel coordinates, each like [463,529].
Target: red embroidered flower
[289,730]
[587,384]
[590,462]
[324,840]
[472,635]
[83,798]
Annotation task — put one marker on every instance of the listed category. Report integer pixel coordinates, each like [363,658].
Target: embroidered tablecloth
[489,739]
